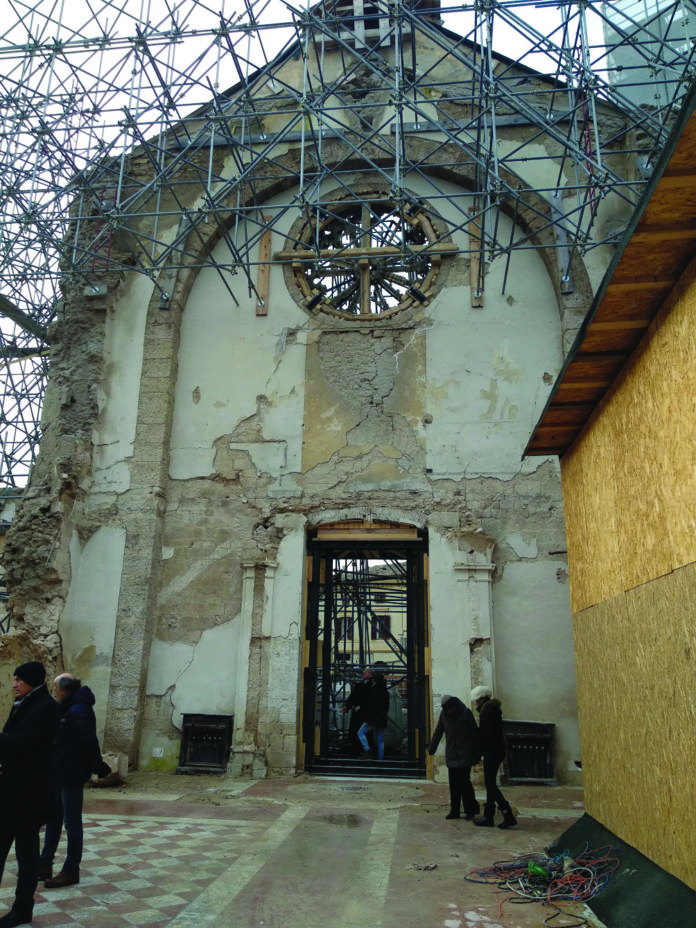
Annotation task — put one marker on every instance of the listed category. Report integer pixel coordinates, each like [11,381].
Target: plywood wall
[629,483]
[636,671]
[629,490]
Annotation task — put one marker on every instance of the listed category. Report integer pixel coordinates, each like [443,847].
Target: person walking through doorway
[492,744]
[377,715]
[357,704]
[458,725]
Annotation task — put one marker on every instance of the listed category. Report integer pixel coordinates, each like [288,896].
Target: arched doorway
[366,607]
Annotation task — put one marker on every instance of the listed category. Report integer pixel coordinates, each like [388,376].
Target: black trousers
[490,777]
[462,791]
[27,851]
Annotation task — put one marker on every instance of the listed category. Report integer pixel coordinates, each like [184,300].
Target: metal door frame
[323,550]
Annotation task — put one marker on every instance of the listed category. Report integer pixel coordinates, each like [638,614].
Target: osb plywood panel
[638,414]
[636,662]
[580,576]
[681,462]
[589,504]
[636,463]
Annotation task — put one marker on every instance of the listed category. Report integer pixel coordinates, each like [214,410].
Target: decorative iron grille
[206,741]
[529,752]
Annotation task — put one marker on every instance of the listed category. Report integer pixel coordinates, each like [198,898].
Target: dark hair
[68,684]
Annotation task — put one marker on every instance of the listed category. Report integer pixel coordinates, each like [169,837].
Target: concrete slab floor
[301,852]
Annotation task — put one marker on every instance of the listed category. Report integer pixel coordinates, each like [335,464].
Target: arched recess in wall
[254,392]
[366,609]
[530,212]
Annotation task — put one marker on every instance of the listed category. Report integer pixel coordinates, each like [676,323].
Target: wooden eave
[654,251]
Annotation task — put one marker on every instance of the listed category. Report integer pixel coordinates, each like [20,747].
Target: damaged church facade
[261,474]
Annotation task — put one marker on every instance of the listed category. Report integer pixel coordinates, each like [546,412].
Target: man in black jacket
[25,782]
[357,704]
[76,757]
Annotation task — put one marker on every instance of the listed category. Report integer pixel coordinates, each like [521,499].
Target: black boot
[486,819]
[508,818]
[472,813]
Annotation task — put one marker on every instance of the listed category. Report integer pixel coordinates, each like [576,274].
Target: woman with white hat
[492,744]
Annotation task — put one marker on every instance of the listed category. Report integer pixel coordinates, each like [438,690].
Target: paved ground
[296,853]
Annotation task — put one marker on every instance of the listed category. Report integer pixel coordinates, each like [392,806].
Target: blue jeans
[68,810]
[379,735]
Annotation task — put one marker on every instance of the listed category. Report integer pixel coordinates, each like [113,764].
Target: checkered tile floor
[139,870]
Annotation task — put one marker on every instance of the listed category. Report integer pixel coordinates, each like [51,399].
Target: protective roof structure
[89,83]
[656,248]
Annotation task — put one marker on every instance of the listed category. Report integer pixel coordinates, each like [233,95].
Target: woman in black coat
[458,725]
[377,715]
[492,743]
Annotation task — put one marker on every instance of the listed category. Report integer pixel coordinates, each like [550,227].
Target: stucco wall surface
[286,420]
[188,447]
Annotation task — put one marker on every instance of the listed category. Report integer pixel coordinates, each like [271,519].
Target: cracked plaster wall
[288,420]
[278,422]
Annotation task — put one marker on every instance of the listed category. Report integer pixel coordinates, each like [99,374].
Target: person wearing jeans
[76,756]
[377,715]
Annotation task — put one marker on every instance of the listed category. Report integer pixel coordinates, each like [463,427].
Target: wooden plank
[264,272]
[619,324]
[613,340]
[664,233]
[475,265]
[375,535]
[627,286]
[677,177]
[388,251]
[567,415]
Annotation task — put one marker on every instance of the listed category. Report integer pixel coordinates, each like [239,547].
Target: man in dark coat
[76,756]
[25,782]
[458,725]
[377,717]
[357,704]
[492,743]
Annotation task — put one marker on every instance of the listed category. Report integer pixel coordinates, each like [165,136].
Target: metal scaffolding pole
[113,113]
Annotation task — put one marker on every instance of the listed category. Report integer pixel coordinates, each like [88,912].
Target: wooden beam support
[618,325]
[264,272]
[584,385]
[388,251]
[676,177]
[664,233]
[626,286]
[475,263]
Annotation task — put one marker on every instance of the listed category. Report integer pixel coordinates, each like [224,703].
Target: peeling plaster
[521,547]
[504,366]
[205,684]
[168,661]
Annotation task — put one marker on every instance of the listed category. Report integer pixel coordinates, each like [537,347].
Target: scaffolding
[112,110]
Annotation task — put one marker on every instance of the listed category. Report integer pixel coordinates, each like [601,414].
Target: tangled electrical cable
[559,880]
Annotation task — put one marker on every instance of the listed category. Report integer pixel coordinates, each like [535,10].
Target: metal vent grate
[529,754]
[206,741]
